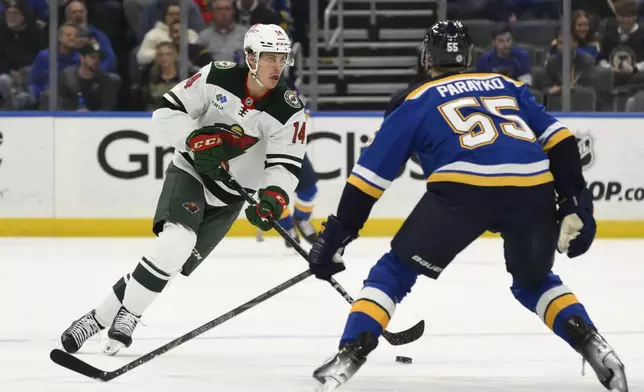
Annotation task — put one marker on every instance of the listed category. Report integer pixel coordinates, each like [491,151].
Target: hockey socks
[107,310]
[304,203]
[142,287]
[553,302]
[146,283]
[389,281]
[286,222]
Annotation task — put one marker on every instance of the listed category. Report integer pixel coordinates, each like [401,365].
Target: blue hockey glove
[577,226]
[331,241]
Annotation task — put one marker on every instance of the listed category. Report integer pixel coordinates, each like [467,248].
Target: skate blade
[618,381]
[112,347]
[330,384]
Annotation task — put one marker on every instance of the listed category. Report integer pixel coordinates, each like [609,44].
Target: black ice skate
[293,233]
[306,229]
[120,333]
[82,329]
[339,369]
[598,353]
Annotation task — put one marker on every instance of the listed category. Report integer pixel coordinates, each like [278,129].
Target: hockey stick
[79,366]
[394,338]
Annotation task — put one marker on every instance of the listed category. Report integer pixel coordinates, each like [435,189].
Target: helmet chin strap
[253,72]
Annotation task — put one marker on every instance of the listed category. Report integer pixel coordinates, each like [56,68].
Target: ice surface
[477,338]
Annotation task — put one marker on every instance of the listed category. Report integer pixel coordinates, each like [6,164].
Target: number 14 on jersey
[299,133]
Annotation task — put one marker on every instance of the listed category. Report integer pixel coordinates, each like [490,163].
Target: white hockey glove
[577,226]
[571,225]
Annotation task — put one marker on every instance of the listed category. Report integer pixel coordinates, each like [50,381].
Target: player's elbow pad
[565,165]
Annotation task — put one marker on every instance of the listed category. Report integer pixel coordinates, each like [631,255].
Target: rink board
[100,174]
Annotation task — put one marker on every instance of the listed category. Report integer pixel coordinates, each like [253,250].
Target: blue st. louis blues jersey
[479,129]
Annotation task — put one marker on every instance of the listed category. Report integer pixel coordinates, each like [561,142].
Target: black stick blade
[404,337]
[74,364]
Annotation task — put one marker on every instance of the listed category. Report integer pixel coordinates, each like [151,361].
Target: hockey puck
[400,359]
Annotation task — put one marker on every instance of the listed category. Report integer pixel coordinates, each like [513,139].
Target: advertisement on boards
[610,150]
[612,161]
[113,167]
[26,167]
[108,167]
[335,145]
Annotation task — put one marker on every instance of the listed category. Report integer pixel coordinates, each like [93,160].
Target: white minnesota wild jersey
[272,129]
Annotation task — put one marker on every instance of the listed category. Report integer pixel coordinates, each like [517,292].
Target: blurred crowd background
[353,54]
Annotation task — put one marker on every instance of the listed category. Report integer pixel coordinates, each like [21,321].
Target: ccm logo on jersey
[204,142]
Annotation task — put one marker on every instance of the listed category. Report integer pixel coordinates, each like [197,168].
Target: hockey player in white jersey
[226,117]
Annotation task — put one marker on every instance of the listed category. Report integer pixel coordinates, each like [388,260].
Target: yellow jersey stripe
[558,136]
[365,186]
[372,310]
[510,80]
[557,306]
[473,179]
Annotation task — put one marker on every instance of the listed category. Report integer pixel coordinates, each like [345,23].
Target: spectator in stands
[161,76]
[161,33]
[67,57]
[547,9]
[87,87]
[301,14]
[38,8]
[600,8]
[133,11]
[224,38]
[250,12]
[582,71]
[21,40]
[204,7]
[506,59]
[583,35]
[154,12]
[109,17]
[495,10]
[198,55]
[622,48]
[76,13]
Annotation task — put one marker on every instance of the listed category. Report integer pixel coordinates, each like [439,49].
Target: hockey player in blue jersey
[493,159]
[305,194]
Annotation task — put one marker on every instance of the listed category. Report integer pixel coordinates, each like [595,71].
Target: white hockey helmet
[266,38]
